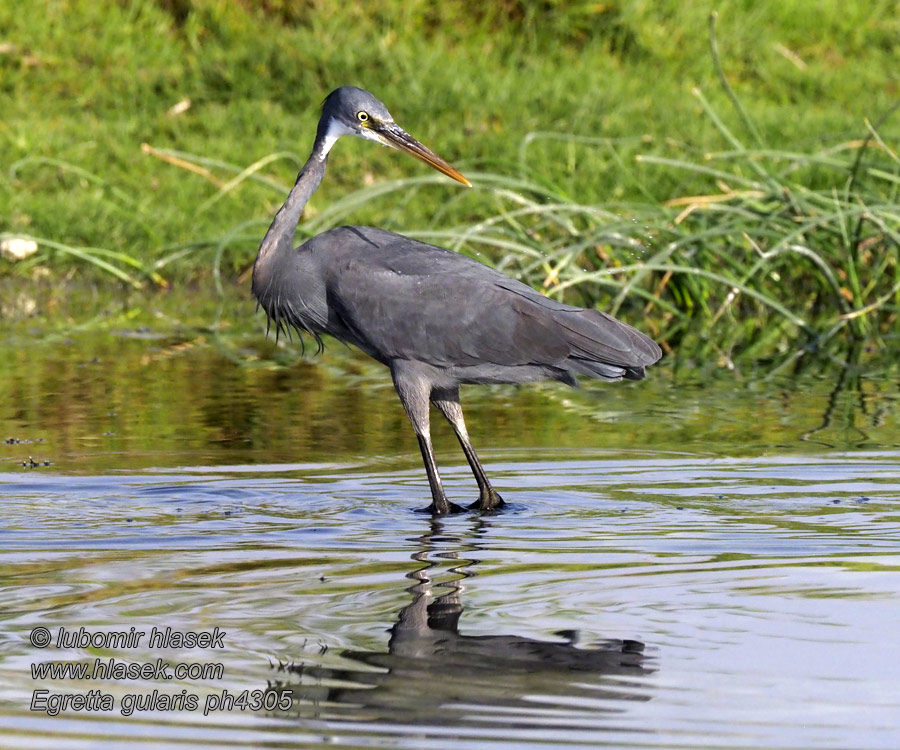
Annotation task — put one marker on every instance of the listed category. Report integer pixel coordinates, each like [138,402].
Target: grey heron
[436,318]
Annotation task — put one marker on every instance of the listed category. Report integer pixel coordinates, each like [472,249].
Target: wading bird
[437,319]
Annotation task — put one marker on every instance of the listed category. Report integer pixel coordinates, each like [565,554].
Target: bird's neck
[279,240]
[284,225]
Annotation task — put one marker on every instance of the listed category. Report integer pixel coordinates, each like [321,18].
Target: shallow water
[683,563]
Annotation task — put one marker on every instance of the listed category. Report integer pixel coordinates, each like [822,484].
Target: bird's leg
[414,394]
[439,503]
[447,400]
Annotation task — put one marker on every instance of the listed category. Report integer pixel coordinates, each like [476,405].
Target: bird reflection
[433,674]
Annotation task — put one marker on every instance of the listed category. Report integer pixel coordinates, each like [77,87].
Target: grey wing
[403,299]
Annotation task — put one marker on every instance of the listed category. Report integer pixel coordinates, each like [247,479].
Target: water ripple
[643,600]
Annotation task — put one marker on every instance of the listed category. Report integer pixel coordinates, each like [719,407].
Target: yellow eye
[362,116]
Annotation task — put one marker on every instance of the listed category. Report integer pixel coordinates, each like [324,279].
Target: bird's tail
[603,347]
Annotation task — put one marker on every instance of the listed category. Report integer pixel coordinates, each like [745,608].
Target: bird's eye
[362,116]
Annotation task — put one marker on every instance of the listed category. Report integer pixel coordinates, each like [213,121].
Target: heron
[437,319]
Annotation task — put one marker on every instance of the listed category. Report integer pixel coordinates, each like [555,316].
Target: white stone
[17,248]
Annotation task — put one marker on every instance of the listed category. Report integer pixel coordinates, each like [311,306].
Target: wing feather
[403,299]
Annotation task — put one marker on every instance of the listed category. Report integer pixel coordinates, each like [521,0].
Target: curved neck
[281,231]
[280,237]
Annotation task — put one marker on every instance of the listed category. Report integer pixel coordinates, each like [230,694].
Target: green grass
[576,121]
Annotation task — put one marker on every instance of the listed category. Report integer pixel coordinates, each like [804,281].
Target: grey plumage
[436,318]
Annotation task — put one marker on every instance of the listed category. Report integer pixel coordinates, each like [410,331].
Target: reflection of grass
[599,178]
[176,401]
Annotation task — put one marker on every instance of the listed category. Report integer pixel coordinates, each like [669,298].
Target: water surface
[685,562]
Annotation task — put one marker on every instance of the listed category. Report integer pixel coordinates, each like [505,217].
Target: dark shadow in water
[432,674]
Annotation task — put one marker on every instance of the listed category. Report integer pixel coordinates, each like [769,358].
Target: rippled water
[681,565]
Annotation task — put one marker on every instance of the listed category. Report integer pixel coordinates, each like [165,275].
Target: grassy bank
[746,209]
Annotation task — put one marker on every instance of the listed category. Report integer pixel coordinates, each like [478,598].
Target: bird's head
[353,111]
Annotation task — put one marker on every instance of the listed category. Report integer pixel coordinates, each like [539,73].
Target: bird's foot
[442,509]
[488,500]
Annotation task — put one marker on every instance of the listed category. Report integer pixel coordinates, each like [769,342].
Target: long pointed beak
[397,137]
